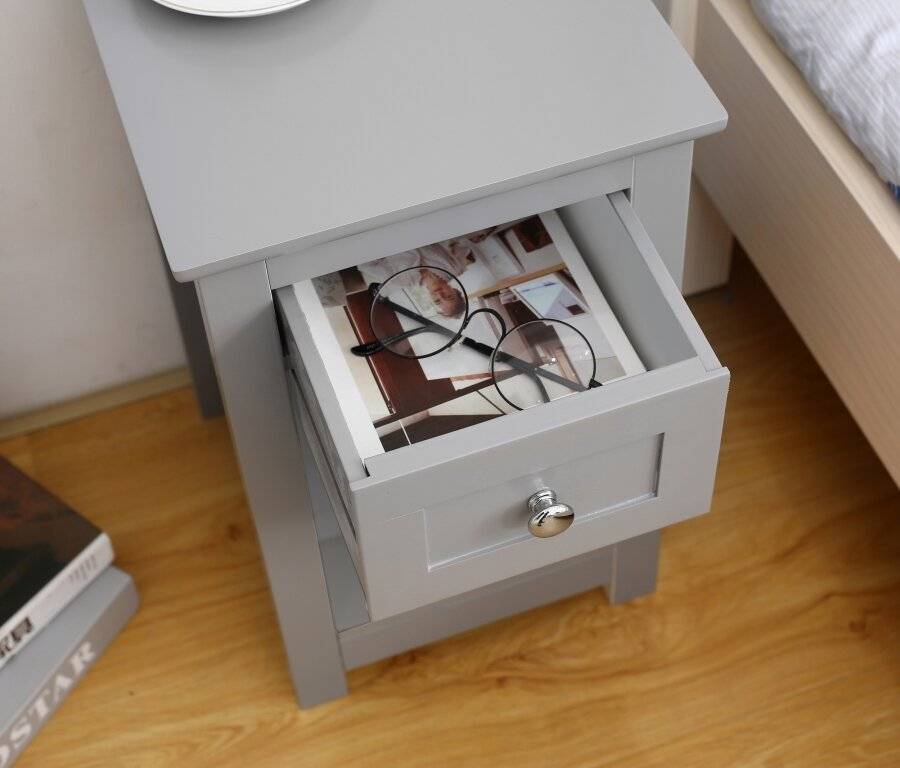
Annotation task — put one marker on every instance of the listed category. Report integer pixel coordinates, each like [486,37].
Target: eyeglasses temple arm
[504,357]
[545,395]
[371,347]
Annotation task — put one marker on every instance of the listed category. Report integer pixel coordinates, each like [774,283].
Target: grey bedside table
[273,150]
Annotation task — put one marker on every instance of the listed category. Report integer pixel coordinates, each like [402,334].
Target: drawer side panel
[306,433]
[322,434]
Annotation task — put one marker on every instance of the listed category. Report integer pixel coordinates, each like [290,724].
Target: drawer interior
[619,281]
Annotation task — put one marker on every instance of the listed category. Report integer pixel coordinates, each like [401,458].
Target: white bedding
[849,53]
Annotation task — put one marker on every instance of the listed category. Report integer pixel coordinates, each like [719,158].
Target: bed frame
[812,214]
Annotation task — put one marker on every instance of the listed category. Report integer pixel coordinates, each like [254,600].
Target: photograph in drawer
[445,336]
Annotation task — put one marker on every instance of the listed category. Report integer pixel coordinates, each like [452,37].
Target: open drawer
[449,514]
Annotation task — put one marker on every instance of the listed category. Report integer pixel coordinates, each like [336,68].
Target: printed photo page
[445,336]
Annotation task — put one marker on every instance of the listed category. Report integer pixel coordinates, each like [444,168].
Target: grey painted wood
[241,327]
[378,640]
[664,7]
[196,348]
[637,284]
[467,461]
[397,570]
[336,540]
[325,522]
[336,133]
[401,563]
[255,138]
[345,593]
[634,568]
[663,279]
[450,222]
[660,197]
[325,411]
[312,439]
[480,523]
[203,371]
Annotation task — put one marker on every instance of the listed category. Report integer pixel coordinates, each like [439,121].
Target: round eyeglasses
[420,312]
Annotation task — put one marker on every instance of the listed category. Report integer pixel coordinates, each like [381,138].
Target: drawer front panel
[648,465]
[601,483]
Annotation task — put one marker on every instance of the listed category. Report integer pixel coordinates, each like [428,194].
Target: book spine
[56,595]
[70,664]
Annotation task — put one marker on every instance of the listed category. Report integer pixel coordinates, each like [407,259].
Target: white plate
[234,8]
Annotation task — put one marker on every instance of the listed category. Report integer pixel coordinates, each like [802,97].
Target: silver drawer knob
[548,516]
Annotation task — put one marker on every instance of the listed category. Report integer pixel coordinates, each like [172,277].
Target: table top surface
[258,137]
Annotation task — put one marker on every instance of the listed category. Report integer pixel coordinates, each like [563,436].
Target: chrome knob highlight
[549,517]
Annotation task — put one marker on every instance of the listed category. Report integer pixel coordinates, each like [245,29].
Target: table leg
[203,372]
[196,348]
[634,568]
[239,314]
[660,195]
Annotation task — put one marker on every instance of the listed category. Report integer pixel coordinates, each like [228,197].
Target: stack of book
[61,604]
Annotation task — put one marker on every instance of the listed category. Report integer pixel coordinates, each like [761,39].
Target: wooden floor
[773,640]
